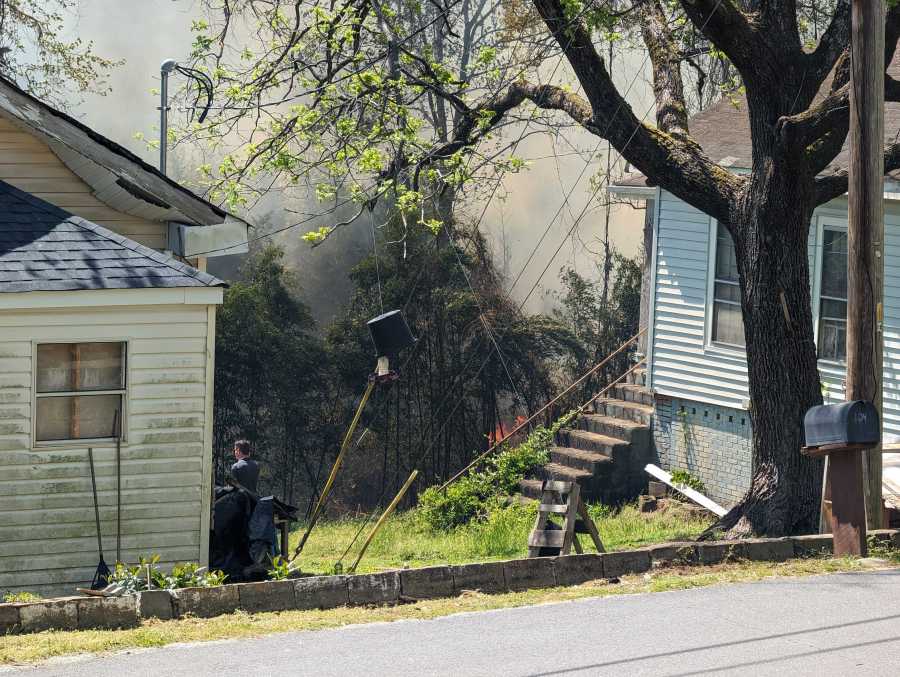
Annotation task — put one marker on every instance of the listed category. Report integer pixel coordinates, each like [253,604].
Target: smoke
[147,32]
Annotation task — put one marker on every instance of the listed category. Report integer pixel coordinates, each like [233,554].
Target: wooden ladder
[561,498]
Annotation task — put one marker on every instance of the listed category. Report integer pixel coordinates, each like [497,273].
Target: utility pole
[854,475]
[165,69]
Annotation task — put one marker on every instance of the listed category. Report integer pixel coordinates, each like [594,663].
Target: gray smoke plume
[147,32]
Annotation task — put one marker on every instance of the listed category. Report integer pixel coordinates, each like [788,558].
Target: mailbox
[848,423]
[390,333]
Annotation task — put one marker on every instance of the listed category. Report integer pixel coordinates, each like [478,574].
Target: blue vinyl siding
[684,365]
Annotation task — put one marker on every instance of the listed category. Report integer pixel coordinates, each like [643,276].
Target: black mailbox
[842,424]
[390,334]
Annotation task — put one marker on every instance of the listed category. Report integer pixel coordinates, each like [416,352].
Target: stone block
[266,596]
[9,618]
[486,577]
[715,552]
[206,602]
[881,536]
[426,583]
[768,549]
[578,569]
[657,489]
[381,588]
[672,554]
[321,592]
[647,504]
[529,574]
[625,562]
[813,545]
[57,614]
[107,612]
[155,604]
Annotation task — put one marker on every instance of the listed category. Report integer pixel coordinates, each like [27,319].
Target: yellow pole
[334,470]
[381,520]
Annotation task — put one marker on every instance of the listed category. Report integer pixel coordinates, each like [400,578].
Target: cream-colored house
[100,313]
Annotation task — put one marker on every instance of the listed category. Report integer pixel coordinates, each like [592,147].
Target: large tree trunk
[771,229]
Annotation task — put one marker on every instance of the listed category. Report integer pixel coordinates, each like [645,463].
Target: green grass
[19,649]
[405,541]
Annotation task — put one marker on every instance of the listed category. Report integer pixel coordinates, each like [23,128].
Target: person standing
[245,470]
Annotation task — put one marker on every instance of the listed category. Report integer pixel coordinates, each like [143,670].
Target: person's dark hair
[243,446]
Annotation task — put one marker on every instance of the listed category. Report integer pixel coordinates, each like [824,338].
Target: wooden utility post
[855,475]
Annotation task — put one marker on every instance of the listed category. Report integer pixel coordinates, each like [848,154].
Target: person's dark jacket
[246,471]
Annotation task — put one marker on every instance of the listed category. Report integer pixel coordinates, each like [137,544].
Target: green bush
[147,575]
[475,495]
[682,478]
[21,597]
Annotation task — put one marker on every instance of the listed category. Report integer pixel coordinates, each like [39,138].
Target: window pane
[727,292]
[726,262]
[99,367]
[833,340]
[834,309]
[728,327]
[54,367]
[834,264]
[76,417]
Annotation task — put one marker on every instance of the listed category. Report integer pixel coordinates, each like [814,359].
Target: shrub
[21,597]
[147,575]
[477,493]
[682,478]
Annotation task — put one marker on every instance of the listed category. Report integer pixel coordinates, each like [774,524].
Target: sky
[549,196]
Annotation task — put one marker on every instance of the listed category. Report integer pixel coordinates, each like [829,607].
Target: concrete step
[633,393]
[637,377]
[556,471]
[531,488]
[579,459]
[586,440]
[617,428]
[630,411]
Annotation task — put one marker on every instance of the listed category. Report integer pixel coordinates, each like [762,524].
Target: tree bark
[771,238]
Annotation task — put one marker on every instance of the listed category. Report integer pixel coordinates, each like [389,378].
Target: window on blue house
[727,323]
[833,296]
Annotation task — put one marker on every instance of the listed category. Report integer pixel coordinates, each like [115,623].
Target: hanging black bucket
[390,334]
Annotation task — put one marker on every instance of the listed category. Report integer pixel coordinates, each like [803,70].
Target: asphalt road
[845,624]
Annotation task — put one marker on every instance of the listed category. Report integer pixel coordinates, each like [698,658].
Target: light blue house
[696,361]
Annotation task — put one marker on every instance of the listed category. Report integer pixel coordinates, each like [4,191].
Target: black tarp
[243,537]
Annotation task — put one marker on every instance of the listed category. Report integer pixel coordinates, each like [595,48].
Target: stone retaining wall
[392,587]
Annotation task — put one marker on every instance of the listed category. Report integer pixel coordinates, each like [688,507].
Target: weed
[11,597]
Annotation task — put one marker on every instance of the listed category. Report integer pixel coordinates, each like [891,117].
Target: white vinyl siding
[687,364]
[46,508]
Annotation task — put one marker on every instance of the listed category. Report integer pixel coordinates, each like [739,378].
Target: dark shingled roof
[723,131]
[45,248]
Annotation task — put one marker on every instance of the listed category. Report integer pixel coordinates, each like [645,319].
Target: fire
[499,434]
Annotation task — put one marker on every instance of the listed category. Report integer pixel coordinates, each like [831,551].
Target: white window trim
[709,344]
[123,392]
[654,260]
[823,222]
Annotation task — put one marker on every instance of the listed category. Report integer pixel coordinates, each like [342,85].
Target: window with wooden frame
[727,321]
[79,390]
[833,295]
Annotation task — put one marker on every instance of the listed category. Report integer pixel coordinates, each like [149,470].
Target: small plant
[682,478]
[281,569]
[11,597]
[882,549]
[476,494]
[147,575]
